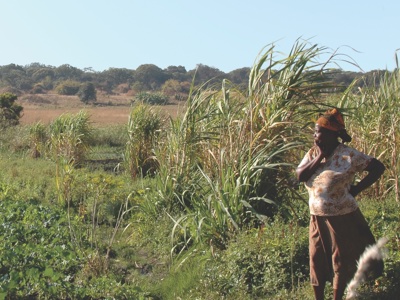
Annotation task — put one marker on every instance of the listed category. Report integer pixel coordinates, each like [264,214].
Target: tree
[10,112]
[15,76]
[208,74]
[113,77]
[171,87]
[68,87]
[178,73]
[118,75]
[240,77]
[67,72]
[87,92]
[150,76]
[42,74]
[176,89]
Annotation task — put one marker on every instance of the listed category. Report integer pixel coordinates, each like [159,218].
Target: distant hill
[173,81]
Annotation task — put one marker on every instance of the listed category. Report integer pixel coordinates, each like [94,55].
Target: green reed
[228,162]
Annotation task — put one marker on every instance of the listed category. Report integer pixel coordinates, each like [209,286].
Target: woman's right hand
[305,171]
[322,153]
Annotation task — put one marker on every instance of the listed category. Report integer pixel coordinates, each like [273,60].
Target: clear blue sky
[224,34]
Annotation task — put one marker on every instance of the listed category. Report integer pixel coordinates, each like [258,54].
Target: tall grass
[228,162]
[70,136]
[374,115]
[38,138]
[144,125]
[69,141]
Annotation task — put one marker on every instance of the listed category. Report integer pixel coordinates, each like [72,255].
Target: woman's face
[323,136]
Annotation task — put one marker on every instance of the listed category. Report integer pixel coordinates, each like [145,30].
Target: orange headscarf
[332,120]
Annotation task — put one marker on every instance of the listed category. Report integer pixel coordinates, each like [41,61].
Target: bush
[87,92]
[262,263]
[40,258]
[68,88]
[151,98]
[37,256]
[10,112]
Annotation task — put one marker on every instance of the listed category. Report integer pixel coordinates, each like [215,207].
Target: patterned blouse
[328,187]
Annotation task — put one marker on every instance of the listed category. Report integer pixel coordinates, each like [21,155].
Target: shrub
[37,256]
[38,89]
[68,87]
[263,262]
[40,258]
[151,98]
[87,92]
[10,112]
[15,139]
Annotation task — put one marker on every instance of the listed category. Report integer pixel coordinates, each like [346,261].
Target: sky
[227,35]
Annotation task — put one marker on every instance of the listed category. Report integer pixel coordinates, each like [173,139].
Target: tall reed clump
[144,126]
[69,143]
[70,136]
[374,117]
[38,139]
[228,161]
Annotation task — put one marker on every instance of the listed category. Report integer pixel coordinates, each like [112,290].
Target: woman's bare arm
[305,171]
[375,170]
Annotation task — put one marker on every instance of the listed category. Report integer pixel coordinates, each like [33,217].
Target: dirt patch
[98,115]
[107,110]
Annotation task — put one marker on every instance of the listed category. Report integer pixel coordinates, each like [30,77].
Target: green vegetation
[10,112]
[151,98]
[144,126]
[172,83]
[87,92]
[67,87]
[202,206]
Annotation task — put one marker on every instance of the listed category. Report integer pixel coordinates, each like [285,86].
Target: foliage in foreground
[37,257]
[272,263]
[269,263]
[40,260]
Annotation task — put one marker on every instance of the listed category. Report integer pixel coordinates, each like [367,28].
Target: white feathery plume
[371,253]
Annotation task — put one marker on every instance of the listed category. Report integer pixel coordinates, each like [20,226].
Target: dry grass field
[107,110]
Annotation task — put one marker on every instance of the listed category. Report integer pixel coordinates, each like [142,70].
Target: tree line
[173,81]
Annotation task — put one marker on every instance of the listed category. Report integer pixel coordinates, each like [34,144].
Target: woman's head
[332,120]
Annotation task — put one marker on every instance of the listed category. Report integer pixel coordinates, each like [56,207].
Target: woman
[339,232]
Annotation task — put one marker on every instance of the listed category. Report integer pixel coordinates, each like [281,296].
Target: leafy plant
[270,262]
[67,87]
[151,98]
[10,112]
[37,258]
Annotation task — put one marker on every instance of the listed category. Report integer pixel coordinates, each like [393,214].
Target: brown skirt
[335,244]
